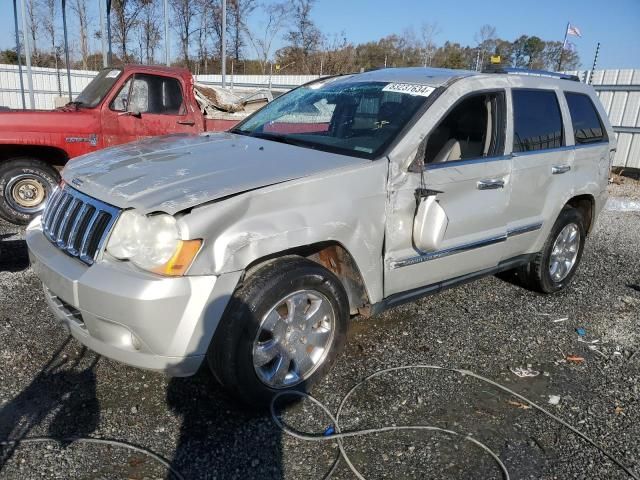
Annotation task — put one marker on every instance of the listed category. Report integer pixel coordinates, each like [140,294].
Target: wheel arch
[54,156]
[586,205]
[334,257]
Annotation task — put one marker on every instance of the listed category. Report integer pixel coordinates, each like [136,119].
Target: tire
[25,176]
[539,275]
[241,331]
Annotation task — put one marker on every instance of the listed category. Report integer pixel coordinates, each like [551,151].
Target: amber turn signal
[181,260]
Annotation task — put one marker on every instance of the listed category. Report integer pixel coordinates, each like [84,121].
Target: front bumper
[133,317]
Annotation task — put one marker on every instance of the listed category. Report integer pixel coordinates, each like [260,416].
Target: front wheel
[554,267]
[25,186]
[282,330]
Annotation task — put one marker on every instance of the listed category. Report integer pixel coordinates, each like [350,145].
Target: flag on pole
[573,30]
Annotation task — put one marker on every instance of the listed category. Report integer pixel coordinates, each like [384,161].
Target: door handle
[186,122]
[490,184]
[558,169]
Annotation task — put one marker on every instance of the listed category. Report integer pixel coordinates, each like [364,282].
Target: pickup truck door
[147,105]
[448,220]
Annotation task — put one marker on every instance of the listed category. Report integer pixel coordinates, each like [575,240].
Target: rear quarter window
[587,125]
[537,120]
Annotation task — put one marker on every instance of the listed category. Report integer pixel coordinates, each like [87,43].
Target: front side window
[587,126]
[537,120]
[150,94]
[472,129]
[339,115]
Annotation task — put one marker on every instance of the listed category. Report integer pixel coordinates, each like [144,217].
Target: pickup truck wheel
[554,267]
[25,185]
[282,330]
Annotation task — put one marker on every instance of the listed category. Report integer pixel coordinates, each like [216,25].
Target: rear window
[537,120]
[587,126]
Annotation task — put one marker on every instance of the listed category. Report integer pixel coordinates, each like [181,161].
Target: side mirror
[430,222]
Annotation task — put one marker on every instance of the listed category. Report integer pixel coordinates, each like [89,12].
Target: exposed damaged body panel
[345,206]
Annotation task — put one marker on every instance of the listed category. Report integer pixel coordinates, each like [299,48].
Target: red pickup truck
[118,106]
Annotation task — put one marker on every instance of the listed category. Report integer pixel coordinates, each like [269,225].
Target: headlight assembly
[152,243]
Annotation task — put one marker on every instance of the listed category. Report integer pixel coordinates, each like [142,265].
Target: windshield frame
[382,152]
[103,72]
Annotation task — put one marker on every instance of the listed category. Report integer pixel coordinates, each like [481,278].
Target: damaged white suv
[351,194]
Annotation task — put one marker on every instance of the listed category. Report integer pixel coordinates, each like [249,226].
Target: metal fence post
[27,52]
[15,21]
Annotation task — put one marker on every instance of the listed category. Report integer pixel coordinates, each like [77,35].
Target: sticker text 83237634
[409,88]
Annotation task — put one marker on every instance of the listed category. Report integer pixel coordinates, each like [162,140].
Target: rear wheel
[282,330]
[554,267]
[25,186]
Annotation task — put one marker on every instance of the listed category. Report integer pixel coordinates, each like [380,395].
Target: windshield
[93,93]
[339,115]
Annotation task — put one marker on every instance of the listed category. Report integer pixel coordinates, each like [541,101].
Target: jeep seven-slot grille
[77,224]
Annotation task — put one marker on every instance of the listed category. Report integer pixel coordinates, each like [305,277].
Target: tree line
[252,32]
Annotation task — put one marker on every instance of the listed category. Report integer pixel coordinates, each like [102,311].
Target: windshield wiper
[280,139]
[75,103]
[237,131]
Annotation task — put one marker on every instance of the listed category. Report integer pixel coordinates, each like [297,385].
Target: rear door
[592,151]
[147,106]
[539,156]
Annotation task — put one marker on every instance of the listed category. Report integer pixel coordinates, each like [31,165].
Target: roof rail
[535,73]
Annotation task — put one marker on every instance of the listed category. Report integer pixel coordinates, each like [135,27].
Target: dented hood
[176,172]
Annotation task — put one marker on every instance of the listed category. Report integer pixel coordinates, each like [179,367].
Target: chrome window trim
[467,161]
[559,149]
[425,257]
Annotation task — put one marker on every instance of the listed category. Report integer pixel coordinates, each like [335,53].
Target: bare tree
[33,21]
[428,33]
[185,13]
[304,36]
[48,21]
[486,40]
[276,17]
[239,10]
[80,8]
[149,32]
[125,19]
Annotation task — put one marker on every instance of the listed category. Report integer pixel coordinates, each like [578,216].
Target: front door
[449,220]
[147,106]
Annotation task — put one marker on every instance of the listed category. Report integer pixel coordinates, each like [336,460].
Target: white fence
[49,83]
[619,91]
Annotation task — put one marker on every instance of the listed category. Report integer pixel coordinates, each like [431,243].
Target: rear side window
[537,120]
[587,126]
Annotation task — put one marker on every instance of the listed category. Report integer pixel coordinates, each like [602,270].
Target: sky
[614,23]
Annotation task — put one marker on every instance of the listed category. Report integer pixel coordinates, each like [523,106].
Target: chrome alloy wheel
[294,338]
[27,193]
[564,253]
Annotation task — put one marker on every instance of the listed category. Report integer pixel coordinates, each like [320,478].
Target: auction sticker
[409,88]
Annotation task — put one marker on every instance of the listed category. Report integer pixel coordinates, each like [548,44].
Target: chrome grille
[78,224]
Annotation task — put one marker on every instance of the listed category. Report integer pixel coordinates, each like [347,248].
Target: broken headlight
[152,243]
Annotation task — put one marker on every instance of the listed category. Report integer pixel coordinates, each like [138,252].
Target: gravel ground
[51,386]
